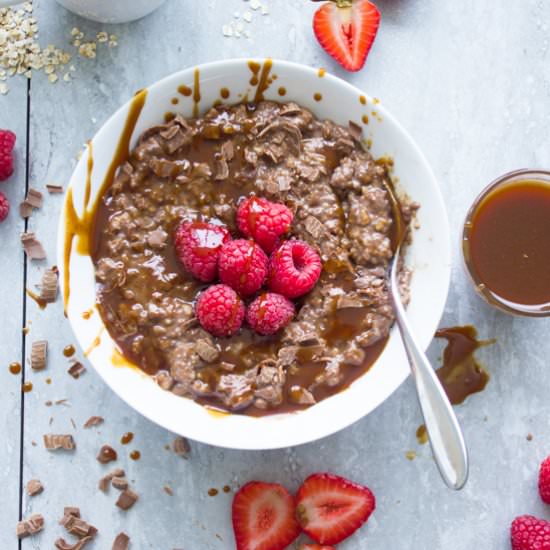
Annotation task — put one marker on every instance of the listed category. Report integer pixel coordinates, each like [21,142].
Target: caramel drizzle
[264,82]
[196,93]
[81,227]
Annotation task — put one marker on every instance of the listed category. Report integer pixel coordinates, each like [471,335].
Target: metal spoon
[445,435]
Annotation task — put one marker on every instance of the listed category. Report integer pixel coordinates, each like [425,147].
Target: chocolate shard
[168,490]
[30,526]
[52,188]
[120,483]
[34,198]
[32,246]
[62,544]
[54,442]
[93,421]
[105,481]
[106,454]
[122,542]
[25,209]
[127,499]
[76,369]
[70,511]
[181,447]
[48,285]
[78,527]
[34,487]
[39,355]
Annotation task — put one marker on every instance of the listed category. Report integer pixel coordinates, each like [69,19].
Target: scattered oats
[67,77]
[88,50]
[75,31]
[53,78]
[246,33]
[265,10]
[239,27]
[102,36]
[94,120]
[255,4]
[4,89]
[227,30]
[247,16]
[72,68]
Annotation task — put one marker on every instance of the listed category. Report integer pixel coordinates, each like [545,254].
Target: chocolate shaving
[120,483]
[93,421]
[356,131]
[52,188]
[25,209]
[62,402]
[29,527]
[32,246]
[33,200]
[122,542]
[76,369]
[168,490]
[181,447]
[105,481]
[54,442]
[34,487]
[39,355]
[106,454]
[70,511]
[78,527]
[48,285]
[127,499]
[62,544]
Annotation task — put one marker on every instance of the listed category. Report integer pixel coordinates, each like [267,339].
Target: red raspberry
[243,266]
[264,221]
[544,480]
[7,142]
[4,207]
[294,269]
[269,313]
[220,310]
[198,246]
[530,533]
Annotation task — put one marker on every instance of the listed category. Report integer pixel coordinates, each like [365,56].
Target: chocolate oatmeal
[199,170]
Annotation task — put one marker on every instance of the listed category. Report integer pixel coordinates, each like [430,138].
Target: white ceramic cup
[111,11]
[428,256]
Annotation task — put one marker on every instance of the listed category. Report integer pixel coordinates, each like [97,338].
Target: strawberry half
[315,547]
[330,508]
[263,517]
[346,29]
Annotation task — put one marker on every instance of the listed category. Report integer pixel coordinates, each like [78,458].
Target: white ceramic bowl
[112,11]
[429,256]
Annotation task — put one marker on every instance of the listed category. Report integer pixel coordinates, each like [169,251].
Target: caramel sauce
[135,455]
[169,116]
[321,72]
[217,413]
[108,454]
[224,92]
[282,91]
[255,68]
[69,351]
[127,438]
[422,435]
[196,93]
[362,100]
[81,228]
[365,119]
[48,381]
[226,489]
[174,101]
[27,387]
[317,96]
[264,83]
[15,367]
[87,314]
[212,492]
[42,304]
[509,244]
[96,342]
[185,91]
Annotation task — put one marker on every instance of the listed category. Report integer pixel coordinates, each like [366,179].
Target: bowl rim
[295,437]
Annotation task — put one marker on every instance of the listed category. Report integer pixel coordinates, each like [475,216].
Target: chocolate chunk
[93,421]
[119,483]
[48,285]
[34,487]
[157,238]
[206,350]
[106,454]
[33,200]
[39,355]
[29,527]
[32,246]
[62,544]
[181,447]
[70,511]
[122,542]
[77,526]
[76,369]
[356,131]
[127,499]
[52,188]
[54,442]
[105,481]
[168,490]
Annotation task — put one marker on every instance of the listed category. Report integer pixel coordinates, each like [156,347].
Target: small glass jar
[525,175]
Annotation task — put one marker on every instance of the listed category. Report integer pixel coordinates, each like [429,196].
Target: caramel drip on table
[95,343]
[69,351]
[27,387]
[127,438]
[135,455]
[15,367]
[196,93]
[39,301]
[81,227]
[254,67]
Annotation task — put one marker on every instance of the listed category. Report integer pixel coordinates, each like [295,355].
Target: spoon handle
[445,435]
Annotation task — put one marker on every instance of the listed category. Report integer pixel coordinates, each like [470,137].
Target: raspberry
[294,269]
[7,142]
[243,266]
[4,207]
[269,313]
[530,533]
[544,480]
[264,221]
[220,310]
[198,246]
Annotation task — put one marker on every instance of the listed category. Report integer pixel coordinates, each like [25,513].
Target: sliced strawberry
[315,547]
[264,517]
[346,29]
[330,508]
